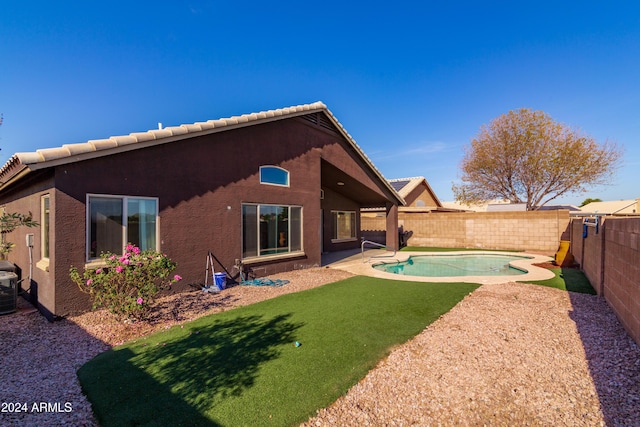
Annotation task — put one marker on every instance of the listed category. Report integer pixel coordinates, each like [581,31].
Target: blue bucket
[220,280]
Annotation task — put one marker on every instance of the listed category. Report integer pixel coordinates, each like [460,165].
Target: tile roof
[611,207]
[102,146]
[404,186]
[69,153]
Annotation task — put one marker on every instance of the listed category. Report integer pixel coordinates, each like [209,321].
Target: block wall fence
[611,261]
[534,231]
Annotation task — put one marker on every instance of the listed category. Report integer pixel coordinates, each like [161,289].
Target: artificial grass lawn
[567,279]
[241,367]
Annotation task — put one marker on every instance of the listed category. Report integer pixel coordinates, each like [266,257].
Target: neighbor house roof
[481,207]
[22,163]
[610,208]
[572,208]
[404,187]
[506,207]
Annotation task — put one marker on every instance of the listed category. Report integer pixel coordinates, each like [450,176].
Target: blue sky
[412,82]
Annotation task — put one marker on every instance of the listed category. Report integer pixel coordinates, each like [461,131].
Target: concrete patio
[355,262]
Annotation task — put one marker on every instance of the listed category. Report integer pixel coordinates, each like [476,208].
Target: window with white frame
[44,229]
[271,230]
[274,175]
[344,225]
[115,221]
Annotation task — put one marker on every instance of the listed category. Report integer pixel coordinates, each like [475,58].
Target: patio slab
[355,263]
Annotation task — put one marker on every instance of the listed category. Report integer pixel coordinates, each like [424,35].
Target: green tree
[525,156]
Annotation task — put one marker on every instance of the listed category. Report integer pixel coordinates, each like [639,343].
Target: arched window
[274,175]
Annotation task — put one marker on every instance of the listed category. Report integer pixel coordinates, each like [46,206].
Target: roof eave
[139,140]
[70,153]
[364,157]
[20,173]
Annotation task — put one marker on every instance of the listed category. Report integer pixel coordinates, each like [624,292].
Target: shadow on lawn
[576,281]
[181,379]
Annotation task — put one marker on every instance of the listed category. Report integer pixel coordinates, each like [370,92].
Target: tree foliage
[9,221]
[525,156]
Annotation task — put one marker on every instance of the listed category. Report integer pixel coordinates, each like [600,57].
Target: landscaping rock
[509,354]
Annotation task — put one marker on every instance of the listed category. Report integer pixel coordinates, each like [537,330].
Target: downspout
[31,261]
[29,242]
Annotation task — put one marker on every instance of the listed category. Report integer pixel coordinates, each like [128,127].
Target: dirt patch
[550,265]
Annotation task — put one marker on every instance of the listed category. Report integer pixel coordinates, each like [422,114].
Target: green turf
[241,367]
[567,279]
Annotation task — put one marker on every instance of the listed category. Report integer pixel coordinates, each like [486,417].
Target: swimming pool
[454,265]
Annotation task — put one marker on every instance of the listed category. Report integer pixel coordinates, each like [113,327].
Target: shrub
[8,223]
[127,285]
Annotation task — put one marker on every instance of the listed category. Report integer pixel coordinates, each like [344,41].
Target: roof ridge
[93,145]
[405,179]
[66,153]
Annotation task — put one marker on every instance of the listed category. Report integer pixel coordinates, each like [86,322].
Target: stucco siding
[201,184]
[24,199]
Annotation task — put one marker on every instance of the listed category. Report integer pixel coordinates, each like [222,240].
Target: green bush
[127,285]
[8,223]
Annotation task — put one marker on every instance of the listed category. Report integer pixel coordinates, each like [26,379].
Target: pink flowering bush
[127,285]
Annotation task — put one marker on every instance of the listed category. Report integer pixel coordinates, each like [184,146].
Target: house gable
[202,178]
[317,113]
[416,191]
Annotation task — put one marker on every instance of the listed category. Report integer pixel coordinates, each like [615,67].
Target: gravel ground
[508,354]
[40,359]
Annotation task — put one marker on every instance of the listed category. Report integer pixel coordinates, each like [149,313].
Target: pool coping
[355,265]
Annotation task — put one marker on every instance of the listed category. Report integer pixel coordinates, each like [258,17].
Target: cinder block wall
[576,240]
[611,261]
[590,255]
[539,231]
[622,271]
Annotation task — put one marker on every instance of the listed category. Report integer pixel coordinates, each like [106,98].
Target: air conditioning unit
[8,292]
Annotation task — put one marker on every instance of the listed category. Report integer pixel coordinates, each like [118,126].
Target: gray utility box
[7,266]
[8,292]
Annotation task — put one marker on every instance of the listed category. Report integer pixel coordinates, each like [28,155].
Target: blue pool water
[454,265]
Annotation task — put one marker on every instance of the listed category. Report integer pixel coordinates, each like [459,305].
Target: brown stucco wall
[23,199]
[201,184]
[334,201]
